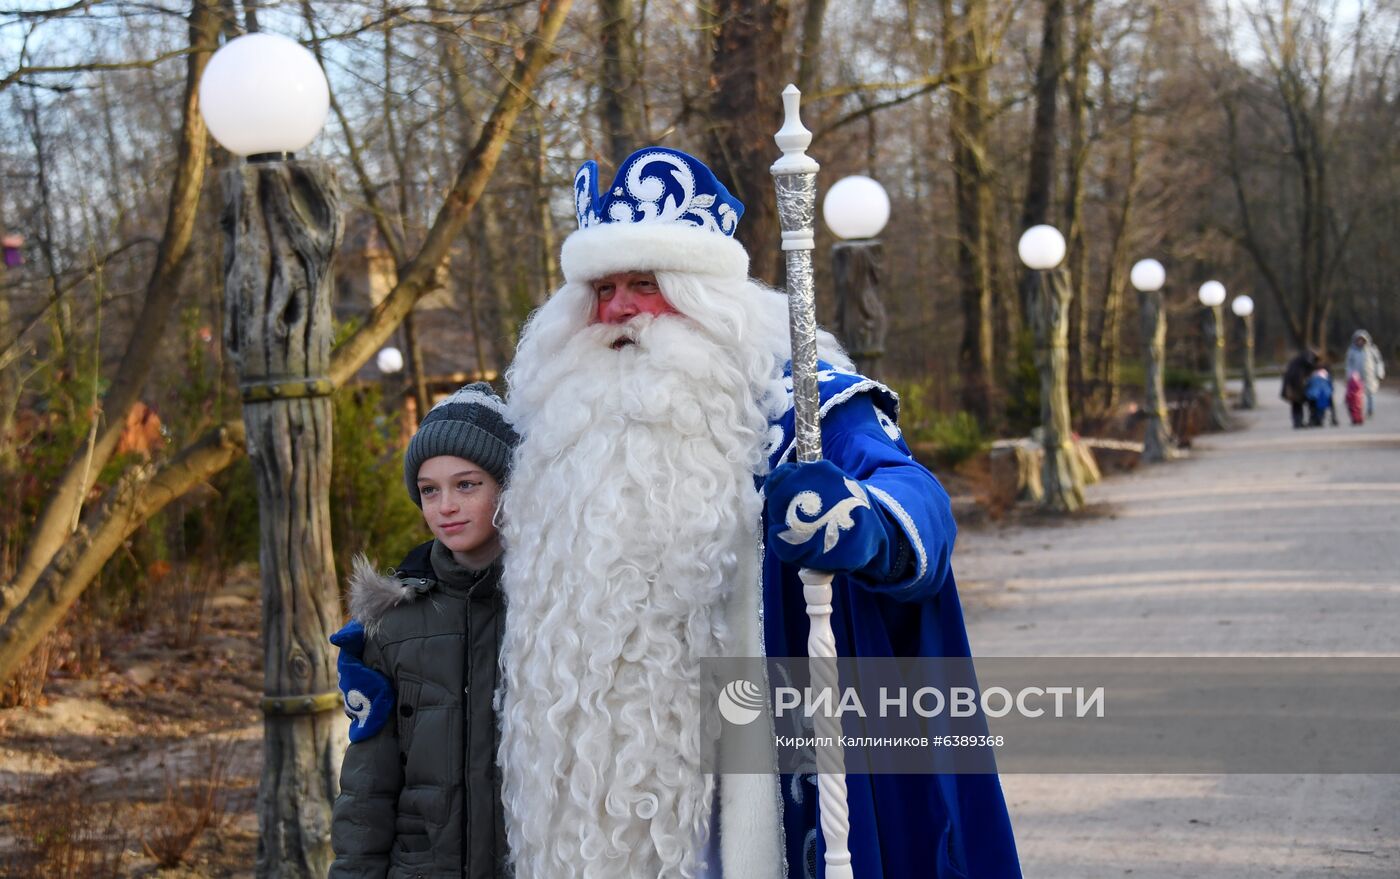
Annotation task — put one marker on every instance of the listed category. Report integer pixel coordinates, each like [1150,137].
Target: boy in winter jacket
[420,794]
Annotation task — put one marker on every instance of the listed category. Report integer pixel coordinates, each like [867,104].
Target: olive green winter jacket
[421,799]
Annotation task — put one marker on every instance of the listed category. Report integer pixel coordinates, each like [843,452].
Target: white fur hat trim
[659,246]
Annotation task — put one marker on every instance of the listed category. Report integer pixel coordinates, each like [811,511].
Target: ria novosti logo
[741,701]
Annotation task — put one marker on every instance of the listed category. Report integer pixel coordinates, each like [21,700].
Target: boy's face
[459,501]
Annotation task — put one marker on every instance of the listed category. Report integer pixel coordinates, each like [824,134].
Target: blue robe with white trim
[902,826]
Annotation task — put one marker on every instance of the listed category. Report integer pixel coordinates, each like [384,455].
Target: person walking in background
[1295,381]
[1364,360]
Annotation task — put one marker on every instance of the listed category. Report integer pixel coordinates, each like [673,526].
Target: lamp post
[1212,296]
[1042,250]
[856,209]
[1243,307]
[1147,278]
[264,97]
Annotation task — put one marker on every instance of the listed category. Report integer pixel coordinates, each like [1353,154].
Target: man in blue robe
[649,526]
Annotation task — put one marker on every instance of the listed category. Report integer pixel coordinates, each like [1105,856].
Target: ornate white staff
[796,177]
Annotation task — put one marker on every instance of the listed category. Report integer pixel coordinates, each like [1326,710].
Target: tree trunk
[1247,397]
[1078,259]
[418,381]
[622,128]
[747,66]
[60,515]
[1041,179]
[549,256]
[965,49]
[1060,475]
[282,224]
[1115,282]
[1157,442]
[1219,418]
[10,388]
[808,55]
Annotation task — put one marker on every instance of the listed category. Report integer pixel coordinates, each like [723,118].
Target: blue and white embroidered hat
[665,211]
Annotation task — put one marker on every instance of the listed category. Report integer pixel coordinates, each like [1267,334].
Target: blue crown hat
[665,211]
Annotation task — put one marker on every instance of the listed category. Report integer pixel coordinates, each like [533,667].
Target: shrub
[62,831]
[191,806]
[956,438]
[1177,379]
[1023,388]
[950,439]
[370,508]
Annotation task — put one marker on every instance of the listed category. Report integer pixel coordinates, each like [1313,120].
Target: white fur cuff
[601,250]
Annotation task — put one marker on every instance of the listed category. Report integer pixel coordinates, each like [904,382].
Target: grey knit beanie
[470,424]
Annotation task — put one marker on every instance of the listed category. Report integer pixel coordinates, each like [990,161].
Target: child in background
[419,790]
[1319,394]
[1356,398]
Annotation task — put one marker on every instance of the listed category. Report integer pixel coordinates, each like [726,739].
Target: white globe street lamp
[389,360]
[856,209]
[1041,248]
[263,95]
[1148,276]
[1243,307]
[1212,296]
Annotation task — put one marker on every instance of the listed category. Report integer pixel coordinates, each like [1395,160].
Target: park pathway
[1265,541]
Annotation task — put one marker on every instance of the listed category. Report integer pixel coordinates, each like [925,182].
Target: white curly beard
[630,501]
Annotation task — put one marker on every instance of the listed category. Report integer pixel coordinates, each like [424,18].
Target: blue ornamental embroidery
[657,185]
[834,388]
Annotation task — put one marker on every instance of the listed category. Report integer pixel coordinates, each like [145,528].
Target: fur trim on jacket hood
[373,593]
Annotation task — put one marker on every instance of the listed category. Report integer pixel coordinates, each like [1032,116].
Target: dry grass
[24,689]
[192,805]
[180,599]
[62,830]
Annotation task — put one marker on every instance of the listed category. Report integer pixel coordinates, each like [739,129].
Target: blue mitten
[369,695]
[820,518]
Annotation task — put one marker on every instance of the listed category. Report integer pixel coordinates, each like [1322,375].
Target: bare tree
[143,491]
[966,51]
[747,70]
[620,103]
[60,516]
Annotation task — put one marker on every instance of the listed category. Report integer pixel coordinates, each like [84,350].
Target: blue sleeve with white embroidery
[821,518]
[867,445]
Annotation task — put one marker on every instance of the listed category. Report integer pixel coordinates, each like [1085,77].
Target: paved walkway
[1265,541]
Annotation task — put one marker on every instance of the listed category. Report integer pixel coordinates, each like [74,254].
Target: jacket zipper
[466,734]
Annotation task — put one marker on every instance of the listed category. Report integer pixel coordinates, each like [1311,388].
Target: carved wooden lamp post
[1212,296]
[1147,277]
[856,210]
[1243,307]
[1042,250]
[264,97]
